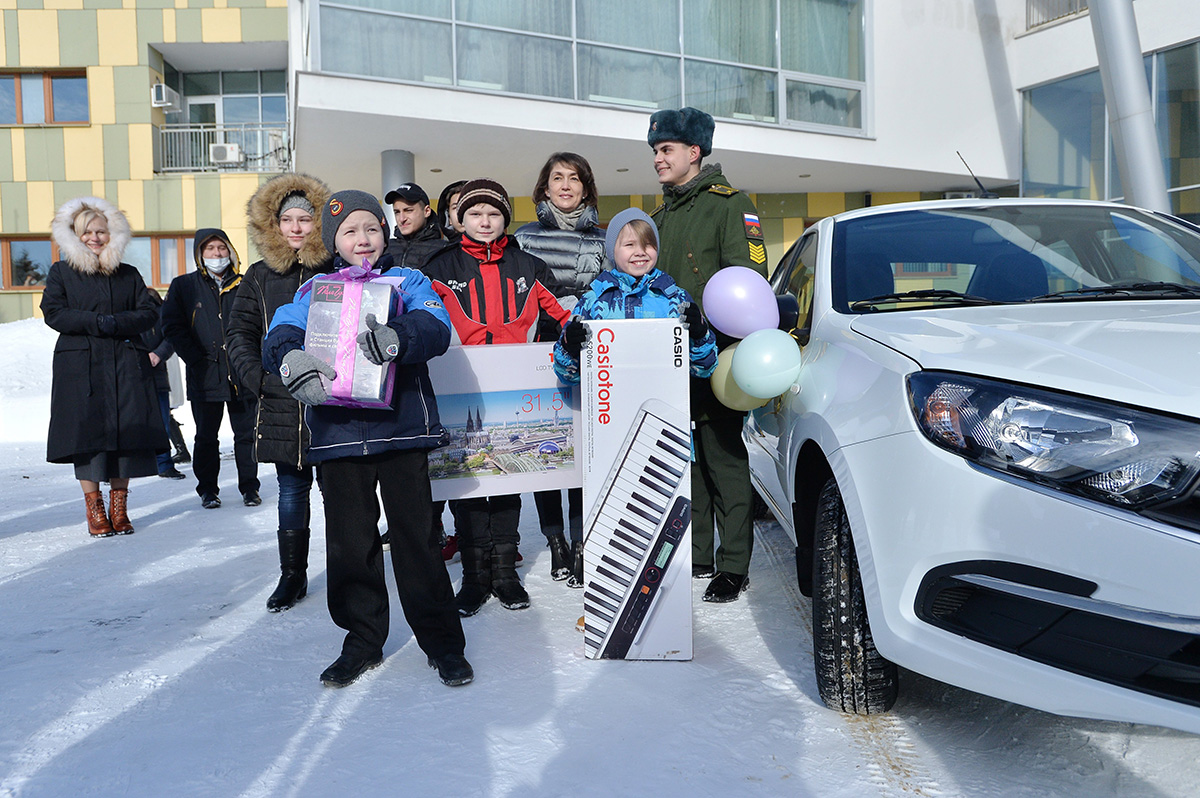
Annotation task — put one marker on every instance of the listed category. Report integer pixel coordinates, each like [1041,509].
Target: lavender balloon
[739,301]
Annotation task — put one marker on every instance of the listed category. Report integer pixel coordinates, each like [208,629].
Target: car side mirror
[789,311]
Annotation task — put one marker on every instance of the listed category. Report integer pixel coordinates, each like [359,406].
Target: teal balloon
[766,363]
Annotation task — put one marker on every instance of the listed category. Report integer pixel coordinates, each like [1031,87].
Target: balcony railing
[238,148]
[1039,12]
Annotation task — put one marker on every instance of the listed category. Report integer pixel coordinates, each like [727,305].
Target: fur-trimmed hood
[262,212]
[75,252]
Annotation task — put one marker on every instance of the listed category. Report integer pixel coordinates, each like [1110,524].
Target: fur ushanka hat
[689,125]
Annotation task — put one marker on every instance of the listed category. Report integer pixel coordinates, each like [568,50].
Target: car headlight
[1130,458]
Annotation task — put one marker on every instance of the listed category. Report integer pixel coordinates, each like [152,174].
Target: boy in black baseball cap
[418,234]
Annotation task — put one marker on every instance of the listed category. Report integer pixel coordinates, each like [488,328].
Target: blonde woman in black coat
[284,218]
[104,416]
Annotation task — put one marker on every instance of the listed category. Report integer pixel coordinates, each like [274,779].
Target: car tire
[852,676]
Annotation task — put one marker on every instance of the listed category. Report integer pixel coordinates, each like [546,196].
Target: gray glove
[379,343]
[301,375]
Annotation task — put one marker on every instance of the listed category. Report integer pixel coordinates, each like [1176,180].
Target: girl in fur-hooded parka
[285,225]
[104,415]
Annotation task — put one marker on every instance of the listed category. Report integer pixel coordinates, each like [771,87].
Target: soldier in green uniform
[704,225]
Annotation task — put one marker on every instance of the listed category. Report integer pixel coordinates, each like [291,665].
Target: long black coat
[103,397]
[195,315]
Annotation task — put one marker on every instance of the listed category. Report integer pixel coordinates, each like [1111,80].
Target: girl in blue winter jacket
[634,289]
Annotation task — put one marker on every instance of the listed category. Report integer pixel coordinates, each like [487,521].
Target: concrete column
[1130,112]
[396,167]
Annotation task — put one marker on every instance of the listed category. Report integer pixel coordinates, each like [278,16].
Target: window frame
[48,76]
[182,249]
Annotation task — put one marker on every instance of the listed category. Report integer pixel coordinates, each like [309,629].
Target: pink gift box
[337,314]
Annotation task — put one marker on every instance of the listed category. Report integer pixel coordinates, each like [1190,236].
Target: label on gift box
[337,314]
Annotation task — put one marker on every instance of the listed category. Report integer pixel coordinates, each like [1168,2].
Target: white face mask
[216,265]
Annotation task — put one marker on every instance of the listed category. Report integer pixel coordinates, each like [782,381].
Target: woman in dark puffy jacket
[285,226]
[567,237]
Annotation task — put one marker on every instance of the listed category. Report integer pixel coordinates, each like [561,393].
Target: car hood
[1137,353]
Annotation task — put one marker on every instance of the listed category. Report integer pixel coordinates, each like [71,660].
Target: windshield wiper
[1144,290]
[923,295]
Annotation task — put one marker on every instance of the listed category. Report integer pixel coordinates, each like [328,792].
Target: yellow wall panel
[141,151]
[37,33]
[168,31]
[276,3]
[822,204]
[792,228]
[102,96]
[128,3]
[3,44]
[40,196]
[891,197]
[188,189]
[131,198]
[83,153]
[97,188]
[236,191]
[220,24]
[118,36]
[18,154]
[66,5]
[220,3]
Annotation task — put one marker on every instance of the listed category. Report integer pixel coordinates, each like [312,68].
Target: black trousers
[484,522]
[358,600]
[550,513]
[206,455]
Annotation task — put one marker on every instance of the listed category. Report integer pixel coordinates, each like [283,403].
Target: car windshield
[1011,253]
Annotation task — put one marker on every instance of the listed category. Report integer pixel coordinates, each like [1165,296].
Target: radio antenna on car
[983,192]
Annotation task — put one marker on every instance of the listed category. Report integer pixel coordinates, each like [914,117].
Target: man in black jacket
[195,316]
[418,234]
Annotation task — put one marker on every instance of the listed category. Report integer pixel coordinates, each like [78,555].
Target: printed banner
[513,427]
[637,561]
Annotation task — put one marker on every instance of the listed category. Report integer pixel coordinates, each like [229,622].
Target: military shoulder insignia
[724,191]
[753,226]
[758,252]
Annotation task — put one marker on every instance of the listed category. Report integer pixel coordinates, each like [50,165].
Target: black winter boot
[175,433]
[576,578]
[506,586]
[293,566]
[560,558]
[476,581]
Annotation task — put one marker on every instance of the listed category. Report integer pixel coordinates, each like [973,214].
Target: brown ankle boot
[98,523]
[117,498]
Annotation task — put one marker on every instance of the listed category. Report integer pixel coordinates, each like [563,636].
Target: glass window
[624,22]
[731,92]
[1179,114]
[274,109]
[823,37]
[824,105]
[274,81]
[423,8]
[1064,132]
[168,260]
[198,83]
[8,100]
[388,47]
[239,83]
[240,110]
[33,100]
[535,16]
[730,30]
[628,78]
[138,254]
[514,63]
[30,262]
[1186,205]
[70,98]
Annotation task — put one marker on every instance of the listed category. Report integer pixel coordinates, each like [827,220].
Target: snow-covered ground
[146,665]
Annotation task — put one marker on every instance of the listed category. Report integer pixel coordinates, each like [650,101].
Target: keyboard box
[636,456]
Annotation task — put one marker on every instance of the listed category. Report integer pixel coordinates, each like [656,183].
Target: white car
[989,460]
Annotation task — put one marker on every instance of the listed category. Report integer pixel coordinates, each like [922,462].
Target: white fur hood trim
[75,252]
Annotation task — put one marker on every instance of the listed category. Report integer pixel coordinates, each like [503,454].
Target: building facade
[178,109]
[175,110]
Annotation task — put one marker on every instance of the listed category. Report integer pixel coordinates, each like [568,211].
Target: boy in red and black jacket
[493,292]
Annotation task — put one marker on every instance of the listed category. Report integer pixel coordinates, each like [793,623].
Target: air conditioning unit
[959,195]
[225,153]
[163,96]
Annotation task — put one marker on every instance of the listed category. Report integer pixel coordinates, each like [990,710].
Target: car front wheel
[852,676]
